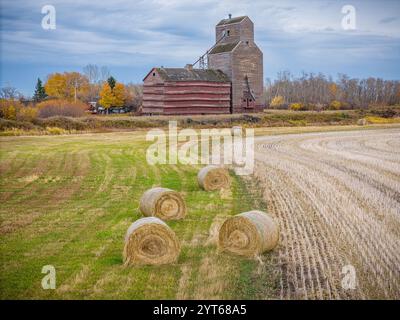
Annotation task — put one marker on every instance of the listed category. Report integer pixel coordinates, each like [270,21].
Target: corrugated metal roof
[229,21]
[183,74]
[225,47]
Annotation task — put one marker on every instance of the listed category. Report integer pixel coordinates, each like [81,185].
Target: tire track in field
[336,199]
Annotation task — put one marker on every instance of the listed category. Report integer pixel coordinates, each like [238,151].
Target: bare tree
[317,89]
[97,76]
[93,73]
[10,93]
[105,73]
[133,96]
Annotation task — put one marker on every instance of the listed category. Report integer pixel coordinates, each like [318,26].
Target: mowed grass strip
[67,201]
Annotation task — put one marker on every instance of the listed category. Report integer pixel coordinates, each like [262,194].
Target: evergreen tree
[111,82]
[40,93]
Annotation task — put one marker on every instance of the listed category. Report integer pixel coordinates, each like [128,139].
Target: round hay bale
[249,234]
[163,203]
[212,178]
[150,241]
[362,122]
[236,130]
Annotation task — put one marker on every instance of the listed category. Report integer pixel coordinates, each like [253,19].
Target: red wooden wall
[185,97]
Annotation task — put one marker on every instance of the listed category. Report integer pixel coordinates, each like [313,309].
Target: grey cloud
[388,20]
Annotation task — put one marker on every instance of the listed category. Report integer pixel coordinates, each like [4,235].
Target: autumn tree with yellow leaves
[106,96]
[112,94]
[67,85]
[277,101]
[56,85]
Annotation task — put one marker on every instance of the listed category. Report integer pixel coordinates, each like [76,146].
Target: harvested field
[68,201]
[336,196]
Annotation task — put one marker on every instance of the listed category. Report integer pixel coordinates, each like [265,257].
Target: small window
[251,100]
[228,33]
[154,74]
[247,42]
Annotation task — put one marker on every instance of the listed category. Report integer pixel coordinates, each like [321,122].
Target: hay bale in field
[150,241]
[163,203]
[236,130]
[362,122]
[249,234]
[212,178]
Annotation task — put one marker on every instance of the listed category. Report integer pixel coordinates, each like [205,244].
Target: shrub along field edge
[270,118]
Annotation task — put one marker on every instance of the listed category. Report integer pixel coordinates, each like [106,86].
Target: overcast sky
[130,37]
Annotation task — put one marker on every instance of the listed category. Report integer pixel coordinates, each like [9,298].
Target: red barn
[186,91]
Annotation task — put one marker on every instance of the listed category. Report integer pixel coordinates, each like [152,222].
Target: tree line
[317,91]
[70,94]
[94,84]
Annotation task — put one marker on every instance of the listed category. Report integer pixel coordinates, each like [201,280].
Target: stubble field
[337,199]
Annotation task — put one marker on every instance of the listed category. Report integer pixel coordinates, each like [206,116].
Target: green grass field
[67,201]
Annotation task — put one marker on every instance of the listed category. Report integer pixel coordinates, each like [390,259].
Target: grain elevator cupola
[237,55]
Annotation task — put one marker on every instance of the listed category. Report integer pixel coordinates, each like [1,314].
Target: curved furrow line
[380,240]
[377,244]
[288,282]
[385,194]
[351,187]
[298,216]
[294,210]
[380,199]
[395,144]
[380,147]
[355,222]
[297,253]
[336,147]
[290,244]
[377,172]
[315,233]
[283,250]
[319,239]
[353,148]
[347,155]
[311,266]
[350,233]
[359,145]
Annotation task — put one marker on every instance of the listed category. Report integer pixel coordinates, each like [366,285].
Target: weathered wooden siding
[153,94]
[242,30]
[245,59]
[186,97]
[221,61]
